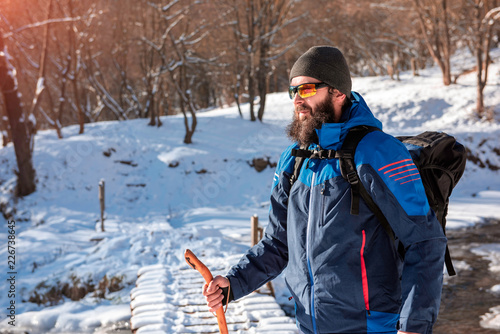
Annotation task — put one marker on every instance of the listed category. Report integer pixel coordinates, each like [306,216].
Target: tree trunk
[41,82]
[262,103]
[483,37]
[194,121]
[414,68]
[479,62]
[237,100]
[21,137]
[447,46]
[480,100]
[185,102]
[482,76]
[237,94]
[251,91]
[75,71]
[262,81]
[81,115]
[62,102]
[251,56]
[188,137]
[150,105]
[158,103]
[153,89]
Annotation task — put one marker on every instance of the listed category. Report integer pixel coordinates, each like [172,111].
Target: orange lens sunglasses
[305,90]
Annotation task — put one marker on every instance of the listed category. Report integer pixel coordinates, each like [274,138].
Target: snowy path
[168,300]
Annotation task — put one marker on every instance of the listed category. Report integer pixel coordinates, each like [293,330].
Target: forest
[66,62]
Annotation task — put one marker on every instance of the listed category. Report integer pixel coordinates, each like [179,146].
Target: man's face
[311,112]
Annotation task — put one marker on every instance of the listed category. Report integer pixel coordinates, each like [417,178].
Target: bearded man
[343,271]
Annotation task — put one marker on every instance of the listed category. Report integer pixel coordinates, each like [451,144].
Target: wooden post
[254,229]
[101,201]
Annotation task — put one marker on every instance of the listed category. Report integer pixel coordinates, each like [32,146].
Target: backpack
[440,160]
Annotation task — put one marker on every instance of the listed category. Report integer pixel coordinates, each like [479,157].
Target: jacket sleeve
[391,178]
[266,260]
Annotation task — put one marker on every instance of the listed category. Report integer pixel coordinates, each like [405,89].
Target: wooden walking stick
[195,263]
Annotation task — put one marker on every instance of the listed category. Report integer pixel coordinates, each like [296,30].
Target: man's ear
[339,97]
[336,93]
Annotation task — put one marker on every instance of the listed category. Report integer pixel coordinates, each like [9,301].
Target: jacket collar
[331,135]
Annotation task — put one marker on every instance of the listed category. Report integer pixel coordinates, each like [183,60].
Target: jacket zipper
[322,217]
[364,276]
[308,255]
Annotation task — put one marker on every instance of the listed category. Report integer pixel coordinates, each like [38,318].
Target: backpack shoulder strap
[349,172]
[300,155]
[303,153]
[347,165]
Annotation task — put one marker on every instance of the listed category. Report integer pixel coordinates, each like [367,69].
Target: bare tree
[377,37]
[150,60]
[180,49]
[484,16]
[42,87]
[21,136]
[273,17]
[75,67]
[49,61]
[249,44]
[257,29]
[434,22]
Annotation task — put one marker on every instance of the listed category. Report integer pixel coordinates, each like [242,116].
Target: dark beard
[304,132]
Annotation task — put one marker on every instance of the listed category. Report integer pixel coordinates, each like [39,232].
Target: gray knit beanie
[326,64]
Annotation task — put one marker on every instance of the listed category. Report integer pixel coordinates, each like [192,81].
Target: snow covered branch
[42,24]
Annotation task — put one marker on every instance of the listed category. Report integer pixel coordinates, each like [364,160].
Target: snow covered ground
[163,196]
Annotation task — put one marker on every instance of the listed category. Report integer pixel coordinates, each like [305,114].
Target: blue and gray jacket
[344,271]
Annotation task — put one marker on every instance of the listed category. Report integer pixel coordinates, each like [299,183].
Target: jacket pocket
[364,276]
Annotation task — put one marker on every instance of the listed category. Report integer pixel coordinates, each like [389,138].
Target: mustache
[302,108]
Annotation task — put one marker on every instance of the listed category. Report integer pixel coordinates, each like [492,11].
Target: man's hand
[213,292]
[400,332]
